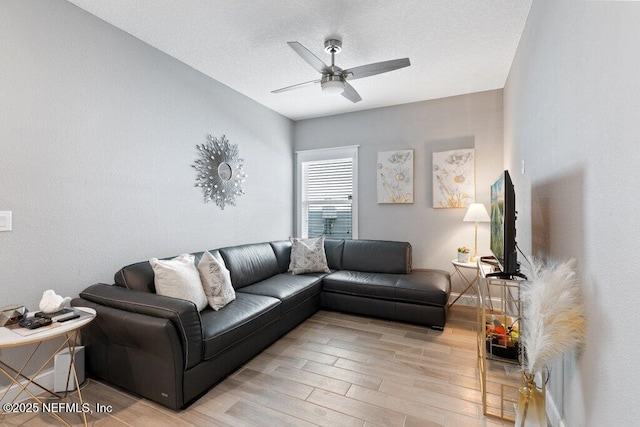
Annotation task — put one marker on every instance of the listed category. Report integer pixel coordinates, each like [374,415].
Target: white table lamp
[476,213]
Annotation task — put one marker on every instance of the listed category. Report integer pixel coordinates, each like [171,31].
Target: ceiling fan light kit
[332,85]
[334,79]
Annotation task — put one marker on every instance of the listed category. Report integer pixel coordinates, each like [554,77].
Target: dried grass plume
[552,312]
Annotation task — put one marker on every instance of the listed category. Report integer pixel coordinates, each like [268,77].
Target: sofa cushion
[307,256]
[429,287]
[249,264]
[333,249]
[376,285]
[376,256]
[282,249]
[140,276]
[137,277]
[291,289]
[236,321]
[179,278]
[216,281]
[424,287]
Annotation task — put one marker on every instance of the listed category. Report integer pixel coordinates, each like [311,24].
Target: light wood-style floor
[336,370]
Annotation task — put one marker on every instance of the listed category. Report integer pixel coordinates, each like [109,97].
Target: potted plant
[463,254]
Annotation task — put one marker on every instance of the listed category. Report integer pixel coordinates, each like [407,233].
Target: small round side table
[458,266]
[68,332]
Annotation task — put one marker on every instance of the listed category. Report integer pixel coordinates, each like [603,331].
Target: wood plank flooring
[334,369]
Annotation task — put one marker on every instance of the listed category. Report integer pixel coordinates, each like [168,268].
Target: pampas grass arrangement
[553,315]
[553,312]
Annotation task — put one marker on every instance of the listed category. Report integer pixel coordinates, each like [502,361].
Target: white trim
[332,149]
[345,152]
[45,379]
[354,205]
[468,300]
[471,300]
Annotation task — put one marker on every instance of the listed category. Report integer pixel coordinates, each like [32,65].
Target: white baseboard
[471,300]
[45,379]
[464,299]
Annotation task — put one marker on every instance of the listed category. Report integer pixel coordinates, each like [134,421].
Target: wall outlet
[5,220]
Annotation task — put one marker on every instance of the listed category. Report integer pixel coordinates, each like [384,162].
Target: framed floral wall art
[395,176]
[454,182]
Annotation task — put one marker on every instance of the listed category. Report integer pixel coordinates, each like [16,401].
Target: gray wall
[572,103]
[466,121]
[97,137]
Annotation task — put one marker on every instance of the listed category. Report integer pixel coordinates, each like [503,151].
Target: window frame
[319,155]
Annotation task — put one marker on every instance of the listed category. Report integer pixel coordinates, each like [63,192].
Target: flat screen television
[503,226]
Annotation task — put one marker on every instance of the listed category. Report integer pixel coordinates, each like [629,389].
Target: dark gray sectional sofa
[165,350]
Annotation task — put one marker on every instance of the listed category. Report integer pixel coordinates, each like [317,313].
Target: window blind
[327,198]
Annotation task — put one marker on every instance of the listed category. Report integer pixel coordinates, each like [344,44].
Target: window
[327,193]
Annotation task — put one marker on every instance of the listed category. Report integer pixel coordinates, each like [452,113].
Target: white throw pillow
[216,281]
[307,256]
[179,278]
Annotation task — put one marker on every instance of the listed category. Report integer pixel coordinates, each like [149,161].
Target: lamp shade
[476,213]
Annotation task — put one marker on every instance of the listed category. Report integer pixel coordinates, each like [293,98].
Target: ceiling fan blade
[298,86]
[309,57]
[350,93]
[377,68]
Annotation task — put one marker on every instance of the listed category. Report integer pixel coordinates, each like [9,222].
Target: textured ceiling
[455,46]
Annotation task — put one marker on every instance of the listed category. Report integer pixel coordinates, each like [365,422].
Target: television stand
[499,326]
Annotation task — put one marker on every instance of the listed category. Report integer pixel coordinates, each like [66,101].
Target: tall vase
[531,411]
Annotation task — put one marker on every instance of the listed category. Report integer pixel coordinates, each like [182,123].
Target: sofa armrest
[138,352]
[183,314]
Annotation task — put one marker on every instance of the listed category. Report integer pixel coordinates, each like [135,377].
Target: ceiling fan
[334,79]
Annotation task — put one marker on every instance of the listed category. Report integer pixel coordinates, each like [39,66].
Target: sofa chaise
[167,351]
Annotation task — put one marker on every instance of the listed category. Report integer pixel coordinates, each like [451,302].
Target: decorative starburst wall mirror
[220,171]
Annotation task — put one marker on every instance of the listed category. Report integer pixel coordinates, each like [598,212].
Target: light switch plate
[5,220]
